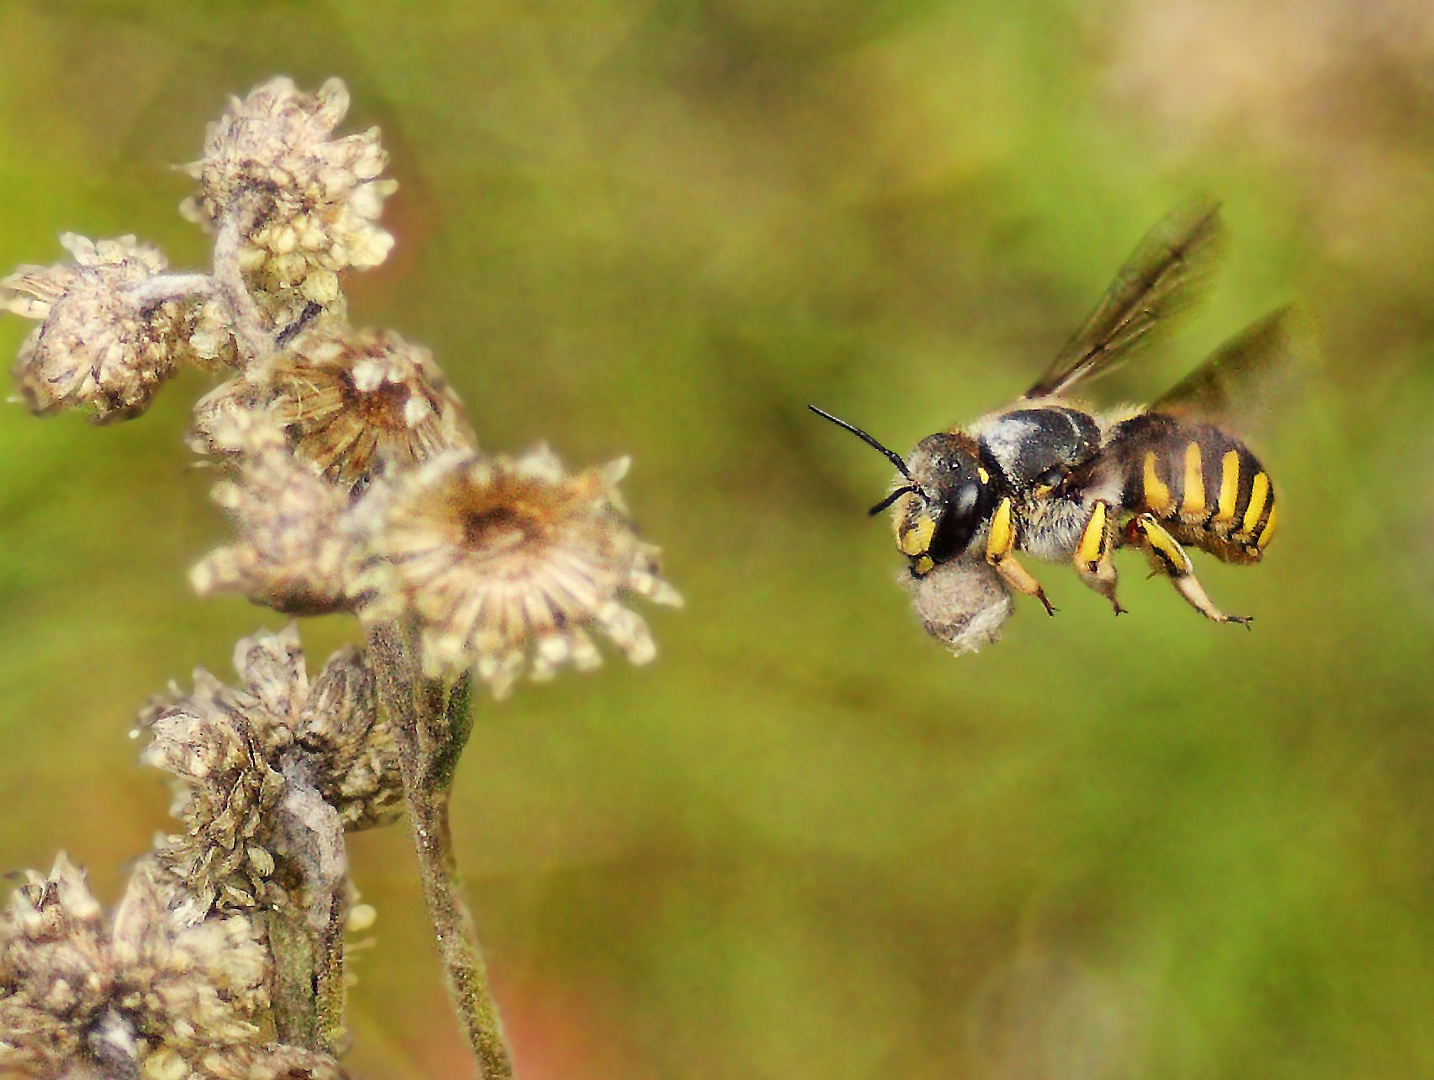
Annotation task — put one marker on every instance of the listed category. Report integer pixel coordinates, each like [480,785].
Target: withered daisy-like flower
[102,343]
[295,547]
[237,755]
[312,201]
[349,401]
[507,563]
[143,994]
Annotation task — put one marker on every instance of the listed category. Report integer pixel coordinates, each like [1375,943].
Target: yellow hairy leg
[1000,553]
[1093,560]
[1168,557]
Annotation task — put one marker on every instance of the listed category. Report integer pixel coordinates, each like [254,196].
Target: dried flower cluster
[104,341]
[294,547]
[354,484]
[142,994]
[312,202]
[241,756]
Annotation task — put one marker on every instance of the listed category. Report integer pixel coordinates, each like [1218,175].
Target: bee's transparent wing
[1243,381]
[1166,275]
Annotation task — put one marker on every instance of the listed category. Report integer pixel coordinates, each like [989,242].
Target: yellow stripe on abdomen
[1259,497]
[1157,495]
[1192,499]
[1229,488]
[1269,529]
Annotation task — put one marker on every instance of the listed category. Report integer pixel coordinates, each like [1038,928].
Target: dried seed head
[102,345]
[193,988]
[356,759]
[313,200]
[55,976]
[225,422]
[231,751]
[350,401]
[507,563]
[294,546]
[230,786]
[78,993]
[210,337]
[358,400]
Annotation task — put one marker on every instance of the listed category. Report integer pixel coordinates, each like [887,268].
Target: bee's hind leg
[1000,553]
[1092,554]
[1169,558]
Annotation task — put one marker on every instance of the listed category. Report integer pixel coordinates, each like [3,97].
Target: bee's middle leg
[1092,554]
[1169,558]
[1000,553]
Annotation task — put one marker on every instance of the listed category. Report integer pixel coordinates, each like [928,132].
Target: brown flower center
[502,528]
[383,407]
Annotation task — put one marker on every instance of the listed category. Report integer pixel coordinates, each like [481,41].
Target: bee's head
[941,496]
[943,502]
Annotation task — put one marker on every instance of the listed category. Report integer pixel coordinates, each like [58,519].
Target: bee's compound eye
[958,522]
[965,500]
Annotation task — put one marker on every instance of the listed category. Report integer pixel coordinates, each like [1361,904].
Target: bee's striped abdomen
[1204,485]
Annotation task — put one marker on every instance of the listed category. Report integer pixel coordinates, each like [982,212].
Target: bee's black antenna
[891,455]
[909,489]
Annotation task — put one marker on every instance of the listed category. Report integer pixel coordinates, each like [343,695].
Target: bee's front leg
[1169,558]
[1092,554]
[1000,553]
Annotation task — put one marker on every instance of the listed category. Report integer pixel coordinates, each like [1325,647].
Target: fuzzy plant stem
[308,986]
[162,287]
[292,945]
[251,328]
[307,934]
[432,723]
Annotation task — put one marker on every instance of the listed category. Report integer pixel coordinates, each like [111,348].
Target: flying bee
[1048,477]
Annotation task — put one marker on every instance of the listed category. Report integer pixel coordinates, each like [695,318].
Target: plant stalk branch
[251,328]
[432,724]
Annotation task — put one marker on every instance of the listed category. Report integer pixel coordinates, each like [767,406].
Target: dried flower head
[210,337]
[78,993]
[506,563]
[311,202]
[294,546]
[104,343]
[53,960]
[225,422]
[355,757]
[235,753]
[350,401]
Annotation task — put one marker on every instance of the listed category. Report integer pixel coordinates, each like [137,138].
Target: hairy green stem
[330,991]
[292,944]
[308,991]
[308,942]
[432,723]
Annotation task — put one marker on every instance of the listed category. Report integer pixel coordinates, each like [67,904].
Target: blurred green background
[806,842]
